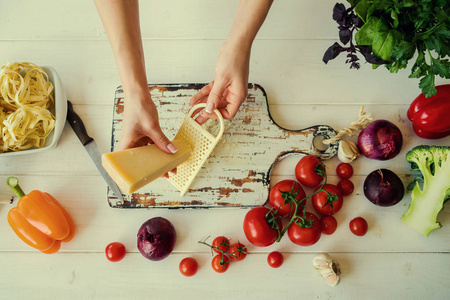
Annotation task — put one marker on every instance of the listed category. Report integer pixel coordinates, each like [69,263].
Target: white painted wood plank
[291,71]
[198,19]
[69,156]
[91,276]
[97,224]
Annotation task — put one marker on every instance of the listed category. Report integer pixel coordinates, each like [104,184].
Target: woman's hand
[230,86]
[141,124]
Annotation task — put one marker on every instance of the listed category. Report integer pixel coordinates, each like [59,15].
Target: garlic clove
[348,151]
[328,268]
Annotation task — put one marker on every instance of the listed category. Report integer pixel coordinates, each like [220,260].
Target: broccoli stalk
[434,164]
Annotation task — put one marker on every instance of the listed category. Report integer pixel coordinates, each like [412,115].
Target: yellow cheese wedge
[134,168]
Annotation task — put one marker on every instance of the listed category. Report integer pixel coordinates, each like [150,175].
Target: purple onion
[383,188]
[380,140]
[156,238]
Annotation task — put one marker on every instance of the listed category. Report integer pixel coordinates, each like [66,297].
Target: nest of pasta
[26,98]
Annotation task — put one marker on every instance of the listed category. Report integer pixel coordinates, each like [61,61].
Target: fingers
[162,142]
[202,94]
[215,96]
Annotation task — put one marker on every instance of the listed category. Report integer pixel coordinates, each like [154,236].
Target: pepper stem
[13,183]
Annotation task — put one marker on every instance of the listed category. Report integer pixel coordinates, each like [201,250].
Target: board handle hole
[318,143]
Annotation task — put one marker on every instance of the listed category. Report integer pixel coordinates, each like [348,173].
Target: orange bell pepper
[39,219]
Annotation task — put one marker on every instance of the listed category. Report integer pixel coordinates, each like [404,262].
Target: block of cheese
[134,168]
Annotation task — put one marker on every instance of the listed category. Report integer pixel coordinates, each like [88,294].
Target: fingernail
[209,107]
[172,148]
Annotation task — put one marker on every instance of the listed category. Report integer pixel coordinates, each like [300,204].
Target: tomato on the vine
[307,233]
[282,197]
[260,226]
[346,187]
[358,226]
[238,251]
[329,201]
[115,251]
[275,259]
[310,171]
[344,170]
[219,265]
[328,225]
[221,242]
[188,266]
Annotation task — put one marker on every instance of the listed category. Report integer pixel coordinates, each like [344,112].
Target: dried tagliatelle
[26,95]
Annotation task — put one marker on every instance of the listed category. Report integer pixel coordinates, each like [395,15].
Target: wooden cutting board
[237,173]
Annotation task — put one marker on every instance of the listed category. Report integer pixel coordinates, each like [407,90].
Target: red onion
[380,140]
[156,238]
[383,188]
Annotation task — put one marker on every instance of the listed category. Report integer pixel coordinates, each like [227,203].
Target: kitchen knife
[91,147]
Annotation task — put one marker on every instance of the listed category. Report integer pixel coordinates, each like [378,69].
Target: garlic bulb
[328,268]
[348,151]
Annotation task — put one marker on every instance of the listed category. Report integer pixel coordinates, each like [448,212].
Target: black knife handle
[77,125]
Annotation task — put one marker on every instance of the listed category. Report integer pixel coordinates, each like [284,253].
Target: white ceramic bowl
[59,111]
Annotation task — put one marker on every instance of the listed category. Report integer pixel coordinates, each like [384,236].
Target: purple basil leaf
[332,52]
[345,35]
[356,20]
[366,51]
[339,13]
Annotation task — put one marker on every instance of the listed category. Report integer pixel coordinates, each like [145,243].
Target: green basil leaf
[361,9]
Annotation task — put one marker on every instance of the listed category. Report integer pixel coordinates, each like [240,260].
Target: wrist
[240,42]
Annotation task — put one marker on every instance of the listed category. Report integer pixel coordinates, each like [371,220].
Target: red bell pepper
[430,116]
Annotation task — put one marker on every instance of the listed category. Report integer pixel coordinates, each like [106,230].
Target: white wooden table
[181,42]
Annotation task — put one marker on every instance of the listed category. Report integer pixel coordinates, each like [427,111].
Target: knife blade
[91,147]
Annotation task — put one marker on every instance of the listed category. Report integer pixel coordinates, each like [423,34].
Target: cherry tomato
[257,229]
[346,187]
[115,251]
[304,236]
[222,243]
[275,259]
[328,224]
[344,170]
[218,265]
[238,250]
[188,266]
[281,197]
[358,226]
[326,205]
[307,169]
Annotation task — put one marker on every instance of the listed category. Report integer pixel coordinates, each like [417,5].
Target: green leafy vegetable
[392,32]
[426,202]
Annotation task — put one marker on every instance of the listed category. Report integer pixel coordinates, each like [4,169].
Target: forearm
[250,16]
[120,19]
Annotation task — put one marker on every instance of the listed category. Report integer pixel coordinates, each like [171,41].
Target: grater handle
[216,111]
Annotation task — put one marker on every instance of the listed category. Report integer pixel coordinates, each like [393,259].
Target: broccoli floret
[426,202]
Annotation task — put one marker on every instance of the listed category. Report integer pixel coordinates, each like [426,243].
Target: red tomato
[257,229]
[281,197]
[239,251]
[275,259]
[328,224]
[344,170]
[358,226]
[304,236]
[322,202]
[222,243]
[346,187]
[115,251]
[218,265]
[307,169]
[188,266]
